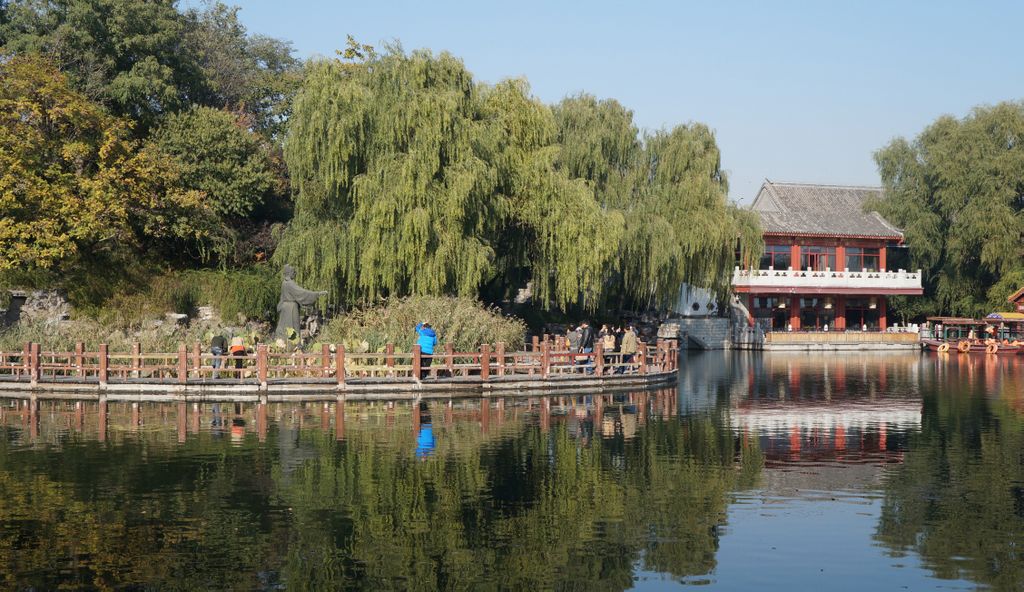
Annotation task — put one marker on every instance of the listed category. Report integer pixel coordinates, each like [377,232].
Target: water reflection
[908,468]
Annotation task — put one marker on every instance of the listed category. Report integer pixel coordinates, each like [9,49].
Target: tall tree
[957,190]
[126,53]
[251,74]
[72,182]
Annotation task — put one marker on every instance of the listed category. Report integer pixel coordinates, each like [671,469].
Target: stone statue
[293,297]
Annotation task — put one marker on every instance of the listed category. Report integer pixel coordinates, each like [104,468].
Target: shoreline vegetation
[158,158]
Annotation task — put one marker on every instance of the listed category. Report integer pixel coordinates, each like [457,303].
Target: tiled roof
[822,210]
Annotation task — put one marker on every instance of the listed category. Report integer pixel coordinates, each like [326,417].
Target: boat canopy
[1006,316]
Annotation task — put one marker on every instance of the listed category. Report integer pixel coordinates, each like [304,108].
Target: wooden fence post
[599,358]
[182,364]
[339,361]
[136,353]
[26,360]
[197,359]
[34,376]
[325,359]
[501,358]
[262,364]
[545,359]
[535,343]
[643,357]
[485,361]
[104,363]
[389,358]
[79,350]
[416,361]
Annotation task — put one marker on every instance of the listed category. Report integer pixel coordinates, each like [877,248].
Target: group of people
[613,340]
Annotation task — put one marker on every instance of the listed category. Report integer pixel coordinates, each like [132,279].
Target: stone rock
[207,313]
[175,318]
[45,306]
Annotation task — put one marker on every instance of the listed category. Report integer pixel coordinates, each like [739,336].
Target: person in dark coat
[587,342]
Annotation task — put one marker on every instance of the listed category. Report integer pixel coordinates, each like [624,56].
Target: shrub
[463,322]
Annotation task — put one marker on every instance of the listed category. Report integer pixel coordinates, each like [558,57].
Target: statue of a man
[293,297]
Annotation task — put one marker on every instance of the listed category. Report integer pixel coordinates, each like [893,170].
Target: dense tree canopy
[957,190]
[73,182]
[412,178]
[221,158]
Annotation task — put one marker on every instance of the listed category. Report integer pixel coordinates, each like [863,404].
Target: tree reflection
[958,498]
[506,500]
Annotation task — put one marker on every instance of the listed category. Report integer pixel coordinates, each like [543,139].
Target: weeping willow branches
[411,178]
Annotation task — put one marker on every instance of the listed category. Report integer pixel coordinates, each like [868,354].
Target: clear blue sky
[796,91]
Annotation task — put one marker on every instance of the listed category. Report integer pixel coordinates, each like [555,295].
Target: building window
[862,258]
[818,258]
[862,314]
[817,313]
[773,310]
[775,256]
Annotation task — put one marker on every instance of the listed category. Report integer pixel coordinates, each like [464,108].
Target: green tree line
[957,190]
[140,138]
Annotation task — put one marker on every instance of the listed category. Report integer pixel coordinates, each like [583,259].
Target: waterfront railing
[330,364]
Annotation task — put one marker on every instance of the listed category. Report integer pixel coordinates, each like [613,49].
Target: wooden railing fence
[190,364]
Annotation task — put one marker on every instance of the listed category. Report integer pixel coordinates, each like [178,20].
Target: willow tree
[680,227]
[957,190]
[412,179]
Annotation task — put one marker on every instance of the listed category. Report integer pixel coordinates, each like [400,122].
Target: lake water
[761,471]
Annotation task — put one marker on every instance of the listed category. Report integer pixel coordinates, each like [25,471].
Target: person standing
[427,340]
[572,336]
[608,345]
[629,347]
[218,345]
[587,343]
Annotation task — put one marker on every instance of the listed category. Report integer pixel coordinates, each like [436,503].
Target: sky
[795,91]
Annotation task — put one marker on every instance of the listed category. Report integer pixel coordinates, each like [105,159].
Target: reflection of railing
[902,280]
[840,337]
[192,366]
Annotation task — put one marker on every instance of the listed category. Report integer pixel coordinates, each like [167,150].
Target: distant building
[1017,299]
[825,260]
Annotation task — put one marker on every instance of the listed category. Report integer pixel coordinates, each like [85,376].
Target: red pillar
[840,321]
[881,259]
[840,258]
[794,312]
[882,309]
[794,256]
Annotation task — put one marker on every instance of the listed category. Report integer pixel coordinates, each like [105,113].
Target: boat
[961,335]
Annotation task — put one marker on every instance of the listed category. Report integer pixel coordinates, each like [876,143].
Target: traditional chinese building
[1017,300]
[826,260]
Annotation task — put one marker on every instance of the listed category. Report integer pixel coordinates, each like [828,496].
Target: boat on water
[996,334]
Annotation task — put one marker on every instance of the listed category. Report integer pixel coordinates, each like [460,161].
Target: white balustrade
[827,279]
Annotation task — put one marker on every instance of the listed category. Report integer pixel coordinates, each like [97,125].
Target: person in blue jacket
[427,341]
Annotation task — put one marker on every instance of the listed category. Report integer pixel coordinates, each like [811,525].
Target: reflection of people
[425,437]
[427,340]
[293,297]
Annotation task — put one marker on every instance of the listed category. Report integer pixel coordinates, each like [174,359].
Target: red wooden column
[794,312]
[840,321]
[881,259]
[840,258]
[794,256]
[882,310]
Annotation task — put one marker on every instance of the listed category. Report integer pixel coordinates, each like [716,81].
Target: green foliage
[253,75]
[957,191]
[219,157]
[126,53]
[462,322]
[72,183]
[412,179]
